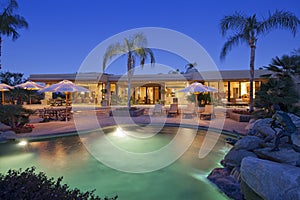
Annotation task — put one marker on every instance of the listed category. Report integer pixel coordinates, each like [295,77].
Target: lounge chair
[208,112]
[158,109]
[189,111]
[173,110]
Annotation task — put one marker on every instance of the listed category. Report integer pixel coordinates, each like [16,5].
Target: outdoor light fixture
[119,132]
[23,143]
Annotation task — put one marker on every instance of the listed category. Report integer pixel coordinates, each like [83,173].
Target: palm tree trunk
[129,75]
[128,93]
[252,59]
[0,51]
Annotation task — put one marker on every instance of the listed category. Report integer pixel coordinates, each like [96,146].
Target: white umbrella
[65,86]
[196,88]
[29,85]
[4,87]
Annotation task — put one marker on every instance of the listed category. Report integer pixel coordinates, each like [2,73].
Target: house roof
[86,77]
[95,77]
[239,75]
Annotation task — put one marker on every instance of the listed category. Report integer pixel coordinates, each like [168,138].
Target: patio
[87,119]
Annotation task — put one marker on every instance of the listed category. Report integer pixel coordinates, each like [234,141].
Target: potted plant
[104,91]
[163,91]
[162,102]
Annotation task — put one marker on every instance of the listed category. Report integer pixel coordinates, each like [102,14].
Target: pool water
[68,157]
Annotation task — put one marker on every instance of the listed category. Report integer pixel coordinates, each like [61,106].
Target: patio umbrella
[29,85]
[197,88]
[66,87]
[4,87]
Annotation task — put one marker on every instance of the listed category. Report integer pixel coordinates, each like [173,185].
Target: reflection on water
[68,157]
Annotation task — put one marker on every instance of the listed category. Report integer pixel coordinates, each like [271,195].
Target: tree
[280,88]
[10,22]
[11,78]
[247,30]
[276,91]
[14,116]
[286,66]
[190,67]
[174,71]
[133,48]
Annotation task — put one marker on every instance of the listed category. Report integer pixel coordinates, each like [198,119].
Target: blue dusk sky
[62,33]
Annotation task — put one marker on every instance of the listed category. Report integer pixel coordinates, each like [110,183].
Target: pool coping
[83,132]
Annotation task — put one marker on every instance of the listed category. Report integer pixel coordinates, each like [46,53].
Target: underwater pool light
[23,143]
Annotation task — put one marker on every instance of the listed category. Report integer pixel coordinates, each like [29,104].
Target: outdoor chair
[63,115]
[158,109]
[173,110]
[52,102]
[208,112]
[189,111]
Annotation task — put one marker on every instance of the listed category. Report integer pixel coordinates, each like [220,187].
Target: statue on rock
[281,120]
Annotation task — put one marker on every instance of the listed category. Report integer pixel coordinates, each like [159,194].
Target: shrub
[276,91]
[14,116]
[28,185]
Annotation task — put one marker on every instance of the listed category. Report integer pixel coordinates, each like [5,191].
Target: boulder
[226,182]
[4,127]
[9,135]
[248,143]
[271,180]
[262,129]
[295,119]
[296,138]
[284,155]
[249,127]
[248,193]
[235,156]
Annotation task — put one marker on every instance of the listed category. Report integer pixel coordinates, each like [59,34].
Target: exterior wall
[159,87]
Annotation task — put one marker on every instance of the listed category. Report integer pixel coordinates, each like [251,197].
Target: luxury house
[110,89]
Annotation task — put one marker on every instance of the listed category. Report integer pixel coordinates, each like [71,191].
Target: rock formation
[252,171]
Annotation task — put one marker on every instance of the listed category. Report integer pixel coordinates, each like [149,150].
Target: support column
[108,94]
[240,88]
[228,89]
[48,95]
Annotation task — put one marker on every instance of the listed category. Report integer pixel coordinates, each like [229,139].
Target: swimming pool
[68,157]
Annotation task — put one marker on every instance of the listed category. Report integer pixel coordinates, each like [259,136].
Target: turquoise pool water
[68,157]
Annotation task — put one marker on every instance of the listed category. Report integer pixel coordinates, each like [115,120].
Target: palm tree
[190,66]
[133,48]
[286,66]
[247,29]
[10,22]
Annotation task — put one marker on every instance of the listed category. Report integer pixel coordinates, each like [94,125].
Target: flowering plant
[29,126]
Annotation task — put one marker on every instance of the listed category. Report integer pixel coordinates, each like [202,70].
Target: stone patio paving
[85,119]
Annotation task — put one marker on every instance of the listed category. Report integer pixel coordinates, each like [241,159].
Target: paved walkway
[91,119]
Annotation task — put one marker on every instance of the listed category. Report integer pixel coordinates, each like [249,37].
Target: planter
[23,130]
[239,117]
[133,112]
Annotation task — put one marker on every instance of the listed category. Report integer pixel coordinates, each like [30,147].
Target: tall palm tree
[10,22]
[247,29]
[133,48]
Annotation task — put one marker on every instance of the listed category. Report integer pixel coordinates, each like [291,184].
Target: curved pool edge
[73,133]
